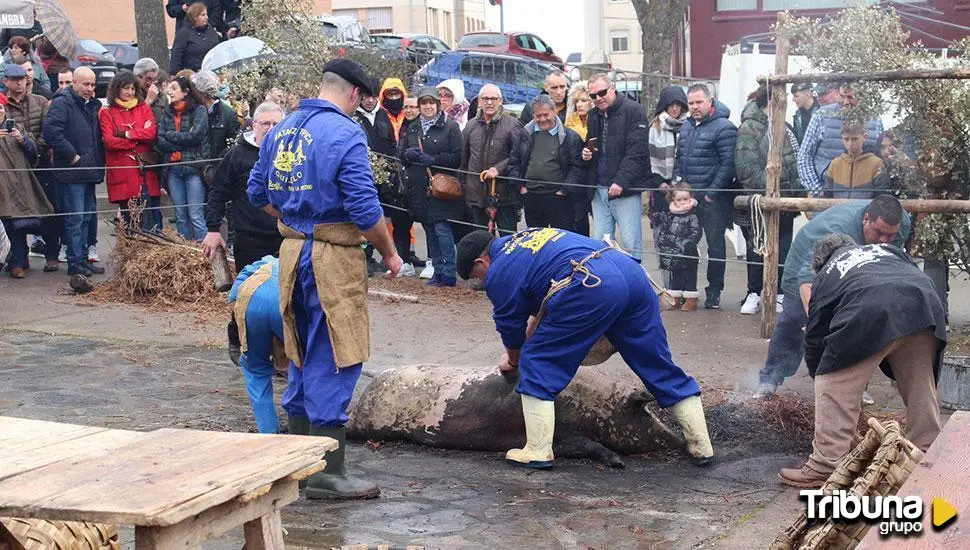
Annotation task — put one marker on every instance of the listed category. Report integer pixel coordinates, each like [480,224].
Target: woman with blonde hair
[578,105]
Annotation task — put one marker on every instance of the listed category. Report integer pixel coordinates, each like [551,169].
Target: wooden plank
[948,73]
[265,533]
[167,477]
[18,435]
[94,442]
[778,106]
[219,520]
[802,204]
[941,474]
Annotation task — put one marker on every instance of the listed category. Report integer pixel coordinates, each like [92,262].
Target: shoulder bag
[442,186]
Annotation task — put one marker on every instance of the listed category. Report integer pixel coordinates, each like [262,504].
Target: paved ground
[64,359]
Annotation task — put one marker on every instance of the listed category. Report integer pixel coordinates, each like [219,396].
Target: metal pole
[501,17]
[411,16]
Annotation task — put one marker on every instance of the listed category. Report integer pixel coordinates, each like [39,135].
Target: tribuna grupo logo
[894,514]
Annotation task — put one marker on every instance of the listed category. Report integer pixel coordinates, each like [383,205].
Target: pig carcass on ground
[478,409]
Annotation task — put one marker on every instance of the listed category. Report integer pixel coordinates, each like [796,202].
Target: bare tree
[150,31]
[660,23]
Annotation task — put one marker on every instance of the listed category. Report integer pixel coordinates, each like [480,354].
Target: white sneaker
[407,270]
[93,256]
[752,304]
[428,271]
[764,390]
[62,255]
[779,303]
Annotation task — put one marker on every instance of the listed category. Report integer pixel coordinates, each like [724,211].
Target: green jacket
[751,152]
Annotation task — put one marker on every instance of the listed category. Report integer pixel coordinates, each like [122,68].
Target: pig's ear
[640,399]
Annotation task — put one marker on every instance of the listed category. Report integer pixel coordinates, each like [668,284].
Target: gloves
[425,159]
[119,133]
[412,154]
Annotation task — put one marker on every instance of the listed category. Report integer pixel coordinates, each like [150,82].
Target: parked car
[516,43]
[344,29]
[125,54]
[417,48]
[520,78]
[93,54]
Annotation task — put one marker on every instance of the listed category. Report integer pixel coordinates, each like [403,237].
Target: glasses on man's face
[488,99]
[411,107]
[599,94]
[267,124]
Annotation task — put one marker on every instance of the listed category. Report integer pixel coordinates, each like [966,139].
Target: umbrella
[57,27]
[16,14]
[235,53]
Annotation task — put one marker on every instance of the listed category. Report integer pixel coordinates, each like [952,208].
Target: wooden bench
[941,474]
[177,487]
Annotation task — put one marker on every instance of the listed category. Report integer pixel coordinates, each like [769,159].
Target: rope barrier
[88,168]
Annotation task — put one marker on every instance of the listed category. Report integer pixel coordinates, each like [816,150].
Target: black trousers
[402,223]
[548,210]
[251,247]
[582,207]
[756,273]
[684,278]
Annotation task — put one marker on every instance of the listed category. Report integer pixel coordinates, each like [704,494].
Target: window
[736,5]
[529,75]
[524,41]
[620,41]
[781,5]
[471,66]
[540,45]
[379,20]
[438,45]
[482,40]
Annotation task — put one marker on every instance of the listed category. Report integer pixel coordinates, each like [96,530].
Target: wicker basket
[39,534]
[878,465]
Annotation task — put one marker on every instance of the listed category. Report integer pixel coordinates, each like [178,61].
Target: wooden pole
[778,107]
[954,73]
[801,204]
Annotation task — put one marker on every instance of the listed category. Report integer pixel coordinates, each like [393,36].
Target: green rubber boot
[334,482]
[298,425]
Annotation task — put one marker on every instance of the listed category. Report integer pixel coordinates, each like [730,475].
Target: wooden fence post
[778,107]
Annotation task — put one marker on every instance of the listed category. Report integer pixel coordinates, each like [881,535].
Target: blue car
[520,78]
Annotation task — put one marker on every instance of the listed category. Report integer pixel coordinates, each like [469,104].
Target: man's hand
[211,243]
[394,264]
[15,133]
[152,94]
[707,198]
[560,194]
[118,132]
[505,366]
[805,291]
[615,191]
[185,7]
[76,159]
[587,154]
[523,190]
[491,173]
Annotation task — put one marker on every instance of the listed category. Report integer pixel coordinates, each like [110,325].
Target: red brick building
[717,23]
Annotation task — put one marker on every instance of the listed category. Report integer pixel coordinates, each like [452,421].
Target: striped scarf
[663,144]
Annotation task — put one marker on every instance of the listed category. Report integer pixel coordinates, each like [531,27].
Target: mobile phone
[8,124]
[591,144]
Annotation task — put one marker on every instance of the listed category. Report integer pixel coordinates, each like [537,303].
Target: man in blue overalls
[255,297]
[314,175]
[580,290]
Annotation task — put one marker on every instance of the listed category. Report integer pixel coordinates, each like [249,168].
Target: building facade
[446,19]
[621,33]
[114,20]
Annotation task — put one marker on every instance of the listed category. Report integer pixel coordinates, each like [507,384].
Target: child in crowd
[855,174]
[679,232]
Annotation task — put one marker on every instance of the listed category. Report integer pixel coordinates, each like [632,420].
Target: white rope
[759,230]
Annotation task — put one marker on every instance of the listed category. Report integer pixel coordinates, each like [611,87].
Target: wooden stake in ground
[778,106]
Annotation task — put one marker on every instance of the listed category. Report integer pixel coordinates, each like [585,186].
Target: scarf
[664,134]
[179,108]
[685,210]
[394,106]
[127,105]
[459,113]
[427,124]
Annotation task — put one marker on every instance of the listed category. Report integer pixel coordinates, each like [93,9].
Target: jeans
[188,196]
[402,224]
[548,210]
[756,273]
[92,235]
[581,206]
[78,197]
[18,245]
[53,227]
[441,248]
[621,213]
[715,217]
[684,279]
[506,219]
[787,346]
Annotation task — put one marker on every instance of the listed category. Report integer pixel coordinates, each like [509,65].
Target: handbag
[443,186]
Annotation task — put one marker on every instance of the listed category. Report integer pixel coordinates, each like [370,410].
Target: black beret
[470,248]
[801,87]
[351,72]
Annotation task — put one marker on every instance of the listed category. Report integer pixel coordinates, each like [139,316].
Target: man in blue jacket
[73,132]
[881,220]
[580,290]
[705,160]
[314,175]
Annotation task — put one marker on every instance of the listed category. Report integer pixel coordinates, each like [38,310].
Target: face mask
[394,106]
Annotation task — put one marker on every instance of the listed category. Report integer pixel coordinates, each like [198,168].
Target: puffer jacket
[486,145]
[443,143]
[705,153]
[192,139]
[622,146]
[751,152]
[678,235]
[862,177]
[30,115]
[72,128]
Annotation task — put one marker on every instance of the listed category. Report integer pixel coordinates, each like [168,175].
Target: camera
[8,124]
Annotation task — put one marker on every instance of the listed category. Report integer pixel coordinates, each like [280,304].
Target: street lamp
[501,13]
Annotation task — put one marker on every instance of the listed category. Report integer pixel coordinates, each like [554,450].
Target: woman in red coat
[128,129]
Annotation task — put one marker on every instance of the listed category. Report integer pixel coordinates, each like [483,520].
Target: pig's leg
[582,447]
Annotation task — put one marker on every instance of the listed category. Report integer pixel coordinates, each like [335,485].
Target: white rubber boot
[540,425]
[690,416]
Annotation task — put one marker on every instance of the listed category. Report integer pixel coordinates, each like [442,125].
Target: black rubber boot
[298,425]
[334,482]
